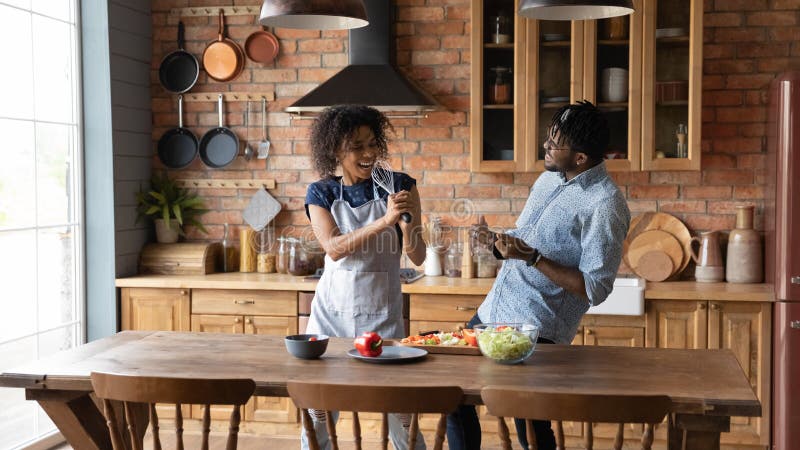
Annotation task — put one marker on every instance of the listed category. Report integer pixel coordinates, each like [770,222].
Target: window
[41,201]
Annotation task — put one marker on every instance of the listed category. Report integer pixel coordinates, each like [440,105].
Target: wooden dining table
[706,387]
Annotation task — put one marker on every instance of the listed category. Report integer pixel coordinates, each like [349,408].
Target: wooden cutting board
[664,222]
[656,240]
[654,265]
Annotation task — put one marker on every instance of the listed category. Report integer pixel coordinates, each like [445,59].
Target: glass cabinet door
[671,96]
[613,75]
[498,87]
[555,71]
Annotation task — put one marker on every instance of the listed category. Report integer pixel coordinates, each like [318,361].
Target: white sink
[627,299]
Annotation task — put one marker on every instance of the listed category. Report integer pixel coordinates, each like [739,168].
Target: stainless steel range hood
[371,78]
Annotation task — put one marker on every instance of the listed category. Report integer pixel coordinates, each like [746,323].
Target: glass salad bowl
[507,343]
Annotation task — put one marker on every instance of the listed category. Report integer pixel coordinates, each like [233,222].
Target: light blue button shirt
[579,223]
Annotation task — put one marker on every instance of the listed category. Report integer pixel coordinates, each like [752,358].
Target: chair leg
[206,426]
[356,430]
[647,436]
[560,435]
[588,433]
[620,437]
[502,432]
[136,444]
[308,425]
[331,426]
[154,421]
[530,433]
[233,430]
[178,427]
[440,431]
[111,421]
[385,431]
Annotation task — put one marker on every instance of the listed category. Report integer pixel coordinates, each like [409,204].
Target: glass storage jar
[452,261]
[500,29]
[487,264]
[282,256]
[304,257]
[266,250]
[500,87]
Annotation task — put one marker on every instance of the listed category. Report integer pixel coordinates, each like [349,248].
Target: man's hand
[513,248]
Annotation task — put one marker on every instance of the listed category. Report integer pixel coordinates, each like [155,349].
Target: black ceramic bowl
[303,347]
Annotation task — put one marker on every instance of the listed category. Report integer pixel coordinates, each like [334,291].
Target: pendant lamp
[314,14]
[574,9]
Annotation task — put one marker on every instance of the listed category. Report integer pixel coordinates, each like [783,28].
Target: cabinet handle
[244,302]
[237,320]
[795,280]
[715,306]
[466,308]
[795,324]
[248,321]
[183,292]
[701,306]
[589,332]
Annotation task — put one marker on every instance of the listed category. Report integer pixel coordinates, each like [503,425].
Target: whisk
[383,176]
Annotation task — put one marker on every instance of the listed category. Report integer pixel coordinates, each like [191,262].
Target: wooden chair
[379,399]
[137,393]
[531,405]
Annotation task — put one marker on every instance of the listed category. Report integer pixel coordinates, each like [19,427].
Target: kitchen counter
[678,290]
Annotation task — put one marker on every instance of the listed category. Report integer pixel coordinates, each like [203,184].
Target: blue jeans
[464,427]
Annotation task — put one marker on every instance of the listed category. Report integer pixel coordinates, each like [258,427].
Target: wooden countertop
[678,290]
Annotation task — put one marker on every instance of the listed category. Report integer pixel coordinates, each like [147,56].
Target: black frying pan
[220,145]
[179,70]
[177,147]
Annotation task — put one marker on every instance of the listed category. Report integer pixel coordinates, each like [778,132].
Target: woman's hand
[397,204]
[513,248]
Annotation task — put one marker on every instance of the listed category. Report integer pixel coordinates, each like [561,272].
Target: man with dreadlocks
[563,255]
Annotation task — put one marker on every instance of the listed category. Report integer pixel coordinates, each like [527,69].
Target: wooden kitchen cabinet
[742,327]
[252,312]
[555,62]
[155,309]
[445,312]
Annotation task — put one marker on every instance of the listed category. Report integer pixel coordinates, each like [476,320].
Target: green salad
[505,344]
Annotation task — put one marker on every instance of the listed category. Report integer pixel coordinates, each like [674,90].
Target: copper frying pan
[261,46]
[223,59]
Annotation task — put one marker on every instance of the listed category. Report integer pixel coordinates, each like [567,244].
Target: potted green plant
[171,206]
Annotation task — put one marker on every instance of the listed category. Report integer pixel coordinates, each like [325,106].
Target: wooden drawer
[228,301]
[304,302]
[449,308]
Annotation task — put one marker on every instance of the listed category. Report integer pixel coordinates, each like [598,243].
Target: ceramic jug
[745,263]
[708,258]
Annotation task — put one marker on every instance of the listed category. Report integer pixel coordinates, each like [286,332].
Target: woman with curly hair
[358,225]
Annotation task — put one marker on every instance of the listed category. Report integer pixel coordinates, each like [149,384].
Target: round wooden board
[659,221]
[654,265]
[655,240]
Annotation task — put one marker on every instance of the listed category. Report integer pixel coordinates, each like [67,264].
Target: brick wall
[747,42]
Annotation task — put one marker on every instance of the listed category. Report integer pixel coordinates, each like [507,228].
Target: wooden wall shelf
[214,10]
[228,96]
[214,183]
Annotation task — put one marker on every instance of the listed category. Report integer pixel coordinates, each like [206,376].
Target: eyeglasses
[550,144]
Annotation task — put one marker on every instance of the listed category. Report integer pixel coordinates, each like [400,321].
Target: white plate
[391,355]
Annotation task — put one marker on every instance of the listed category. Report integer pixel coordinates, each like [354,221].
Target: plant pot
[166,235]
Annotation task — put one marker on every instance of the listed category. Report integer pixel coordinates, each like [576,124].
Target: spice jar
[282,256]
[500,87]
[500,29]
[487,264]
[452,261]
[266,251]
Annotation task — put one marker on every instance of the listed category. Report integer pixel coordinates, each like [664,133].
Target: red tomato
[469,337]
[312,338]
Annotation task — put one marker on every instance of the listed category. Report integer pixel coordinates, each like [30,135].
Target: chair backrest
[379,399]
[532,404]
[137,392]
